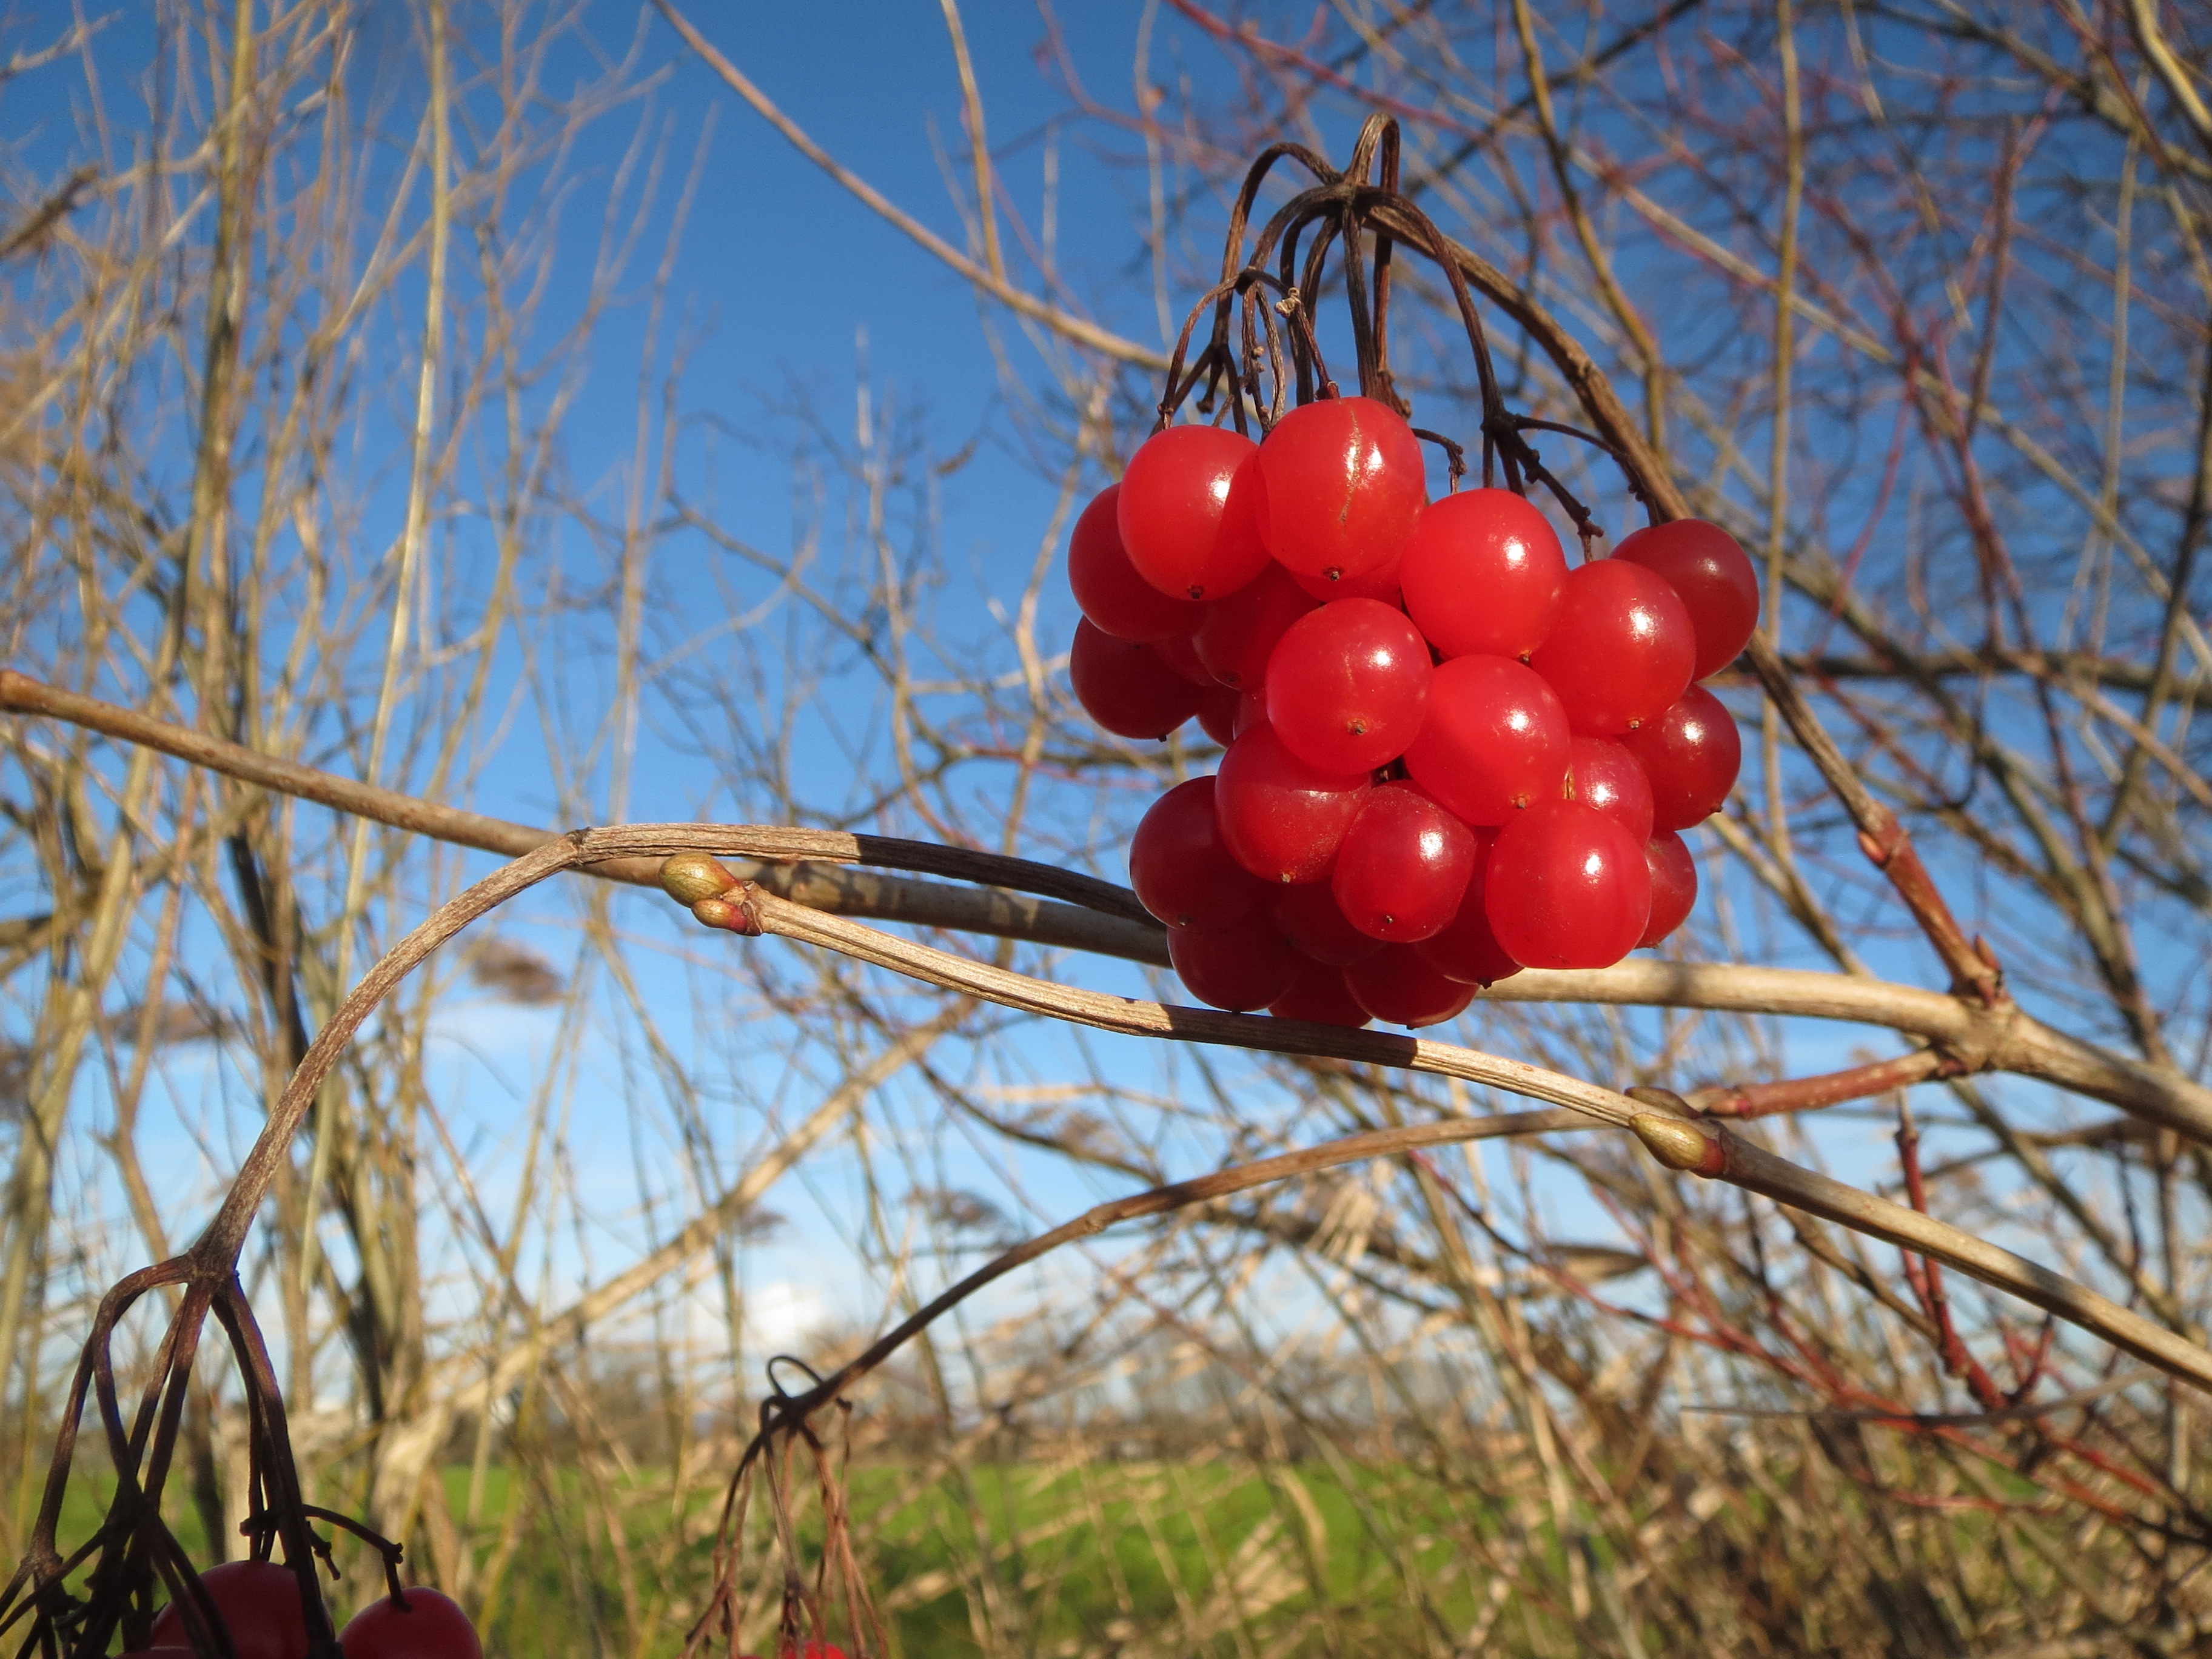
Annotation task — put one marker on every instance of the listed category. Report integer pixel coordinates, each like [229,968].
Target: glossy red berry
[1378,584]
[1346,685]
[1620,649]
[1465,949]
[1398,987]
[259,1603]
[1308,917]
[1483,572]
[1714,576]
[1284,819]
[1251,711]
[1493,739]
[1343,478]
[1691,753]
[1179,652]
[1218,707]
[430,1626]
[1117,599]
[1126,687]
[1180,867]
[1320,994]
[1188,511]
[1673,886]
[1404,866]
[1241,967]
[1601,773]
[1239,633]
[1567,887]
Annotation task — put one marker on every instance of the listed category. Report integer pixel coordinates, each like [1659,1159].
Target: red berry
[1251,710]
[1218,707]
[1404,866]
[1715,577]
[1343,478]
[1622,648]
[1181,868]
[1494,739]
[1466,949]
[1674,885]
[1179,652]
[1309,919]
[1381,583]
[1346,684]
[1239,633]
[1283,818]
[1126,687]
[259,1602]
[1397,987]
[1567,887]
[431,1626]
[1188,512]
[1320,994]
[1601,773]
[1483,572]
[1107,585]
[1241,967]
[1691,753]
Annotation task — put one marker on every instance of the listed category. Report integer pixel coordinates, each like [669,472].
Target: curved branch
[748,910]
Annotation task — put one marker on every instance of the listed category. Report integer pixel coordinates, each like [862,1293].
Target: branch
[1088,335]
[748,910]
[800,863]
[2142,22]
[1109,921]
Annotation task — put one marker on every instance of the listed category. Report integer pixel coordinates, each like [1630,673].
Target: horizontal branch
[813,867]
[800,863]
[2004,1038]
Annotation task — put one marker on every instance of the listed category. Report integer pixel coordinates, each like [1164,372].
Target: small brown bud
[688,877]
[1679,1145]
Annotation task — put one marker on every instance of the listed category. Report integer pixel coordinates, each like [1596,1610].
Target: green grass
[1073,1553]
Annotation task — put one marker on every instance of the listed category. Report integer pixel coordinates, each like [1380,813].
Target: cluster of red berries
[1449,755]
[259,1602]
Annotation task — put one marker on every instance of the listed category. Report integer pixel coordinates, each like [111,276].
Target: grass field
[1047,1560]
